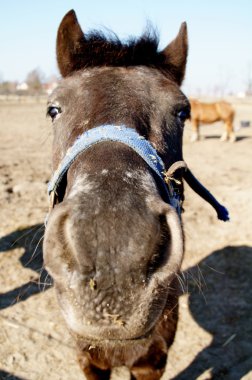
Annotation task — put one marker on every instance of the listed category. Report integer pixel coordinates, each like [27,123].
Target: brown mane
[107,50]
[96,49]
[99,49]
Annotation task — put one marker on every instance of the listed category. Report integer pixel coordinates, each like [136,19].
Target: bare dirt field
[214,336]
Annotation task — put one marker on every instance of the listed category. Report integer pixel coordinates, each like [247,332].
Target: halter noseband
[128,136]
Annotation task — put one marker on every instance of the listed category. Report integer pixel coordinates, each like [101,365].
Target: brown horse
[208,113]
[114,239]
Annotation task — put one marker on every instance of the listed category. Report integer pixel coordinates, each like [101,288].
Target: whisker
[44,282]
[34,252]
[197,280]
[184,278]
[45,285]
[35,234]
[201,275]
[213,269]
[181,283]
[30,230]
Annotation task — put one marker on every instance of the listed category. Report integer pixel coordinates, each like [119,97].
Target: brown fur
[112,245]
[208,113]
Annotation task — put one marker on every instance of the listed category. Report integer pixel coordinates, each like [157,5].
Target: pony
[208,113]
[114,239]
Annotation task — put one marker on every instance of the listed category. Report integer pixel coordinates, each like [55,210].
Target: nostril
[161,250]
[79,244]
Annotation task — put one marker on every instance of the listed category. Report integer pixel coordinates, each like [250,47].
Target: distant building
[22,86]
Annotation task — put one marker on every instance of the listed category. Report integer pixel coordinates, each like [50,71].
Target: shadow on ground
[217,137]
[8,376]
[223,307]
[31,240]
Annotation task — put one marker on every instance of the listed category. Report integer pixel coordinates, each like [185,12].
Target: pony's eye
[53,111]
[184,114]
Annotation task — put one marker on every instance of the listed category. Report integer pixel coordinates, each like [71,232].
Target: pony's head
[114,241]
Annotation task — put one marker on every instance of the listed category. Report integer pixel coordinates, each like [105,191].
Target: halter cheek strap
[119,133]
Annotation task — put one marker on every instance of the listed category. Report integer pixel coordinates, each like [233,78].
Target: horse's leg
[224,136]
[230,129]
[90,371]
[232,137]
[195,127]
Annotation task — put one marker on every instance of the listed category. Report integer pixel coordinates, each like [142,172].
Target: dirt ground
[214,336]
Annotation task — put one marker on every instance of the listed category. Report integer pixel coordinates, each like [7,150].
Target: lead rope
[195,185]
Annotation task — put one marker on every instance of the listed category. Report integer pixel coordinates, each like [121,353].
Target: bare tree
[34,80]
[7,87]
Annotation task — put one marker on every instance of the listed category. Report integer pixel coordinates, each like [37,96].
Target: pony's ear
[70,41]
[176,54]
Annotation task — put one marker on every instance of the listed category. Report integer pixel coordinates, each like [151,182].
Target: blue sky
[220,35]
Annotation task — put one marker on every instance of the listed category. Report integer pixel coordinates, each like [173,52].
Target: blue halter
[119,133]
